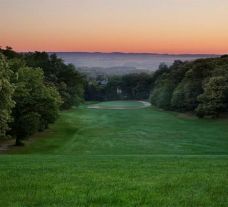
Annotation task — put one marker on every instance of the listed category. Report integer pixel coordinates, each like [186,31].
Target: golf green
[120,105]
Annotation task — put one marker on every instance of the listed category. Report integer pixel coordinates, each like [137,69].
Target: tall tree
[68,81]
[36,104]
[214,99]
[6,92]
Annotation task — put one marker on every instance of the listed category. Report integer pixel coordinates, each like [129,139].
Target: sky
[160,26]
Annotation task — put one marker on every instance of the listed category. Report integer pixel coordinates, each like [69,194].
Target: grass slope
[142,157]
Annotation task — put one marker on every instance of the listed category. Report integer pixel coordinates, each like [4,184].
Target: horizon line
[127,53]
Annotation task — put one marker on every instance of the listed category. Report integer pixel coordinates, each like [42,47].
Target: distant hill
[96,71]
[117,60]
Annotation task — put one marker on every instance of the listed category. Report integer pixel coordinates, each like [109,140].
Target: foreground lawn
[142,157]
[114,181]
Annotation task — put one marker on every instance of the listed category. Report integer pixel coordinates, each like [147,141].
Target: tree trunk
[19,142]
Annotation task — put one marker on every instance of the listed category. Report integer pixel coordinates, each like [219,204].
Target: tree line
[199,86]
[134,86]
[34,87]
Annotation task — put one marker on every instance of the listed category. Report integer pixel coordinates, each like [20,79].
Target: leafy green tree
[214,99]
[185,95]
[165,84]
[36,106]
[192,84]
[68,81]
[74,86]
[6,92]
[48,101]
[94,91]
[25,125]
[136,86]
[163,68]
[162,92]
[113,84]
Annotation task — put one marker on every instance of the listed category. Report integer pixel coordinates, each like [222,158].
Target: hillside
[109,158]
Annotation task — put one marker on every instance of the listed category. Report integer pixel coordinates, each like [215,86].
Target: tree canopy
[197,86]
[6,93]
[33,88]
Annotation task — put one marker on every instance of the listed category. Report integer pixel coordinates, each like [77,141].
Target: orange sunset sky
[162,26]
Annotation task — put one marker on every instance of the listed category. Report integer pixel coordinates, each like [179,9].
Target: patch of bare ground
[6,144]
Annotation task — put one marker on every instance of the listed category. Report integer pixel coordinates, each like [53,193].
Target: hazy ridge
[123,63]
[134,61]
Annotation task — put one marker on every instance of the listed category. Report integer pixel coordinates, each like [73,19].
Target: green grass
[119,105]
[144,157]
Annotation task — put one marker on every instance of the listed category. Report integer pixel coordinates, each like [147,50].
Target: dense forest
[33,88]
[200,86]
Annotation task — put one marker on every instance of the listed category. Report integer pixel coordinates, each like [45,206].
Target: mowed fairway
[138,157]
